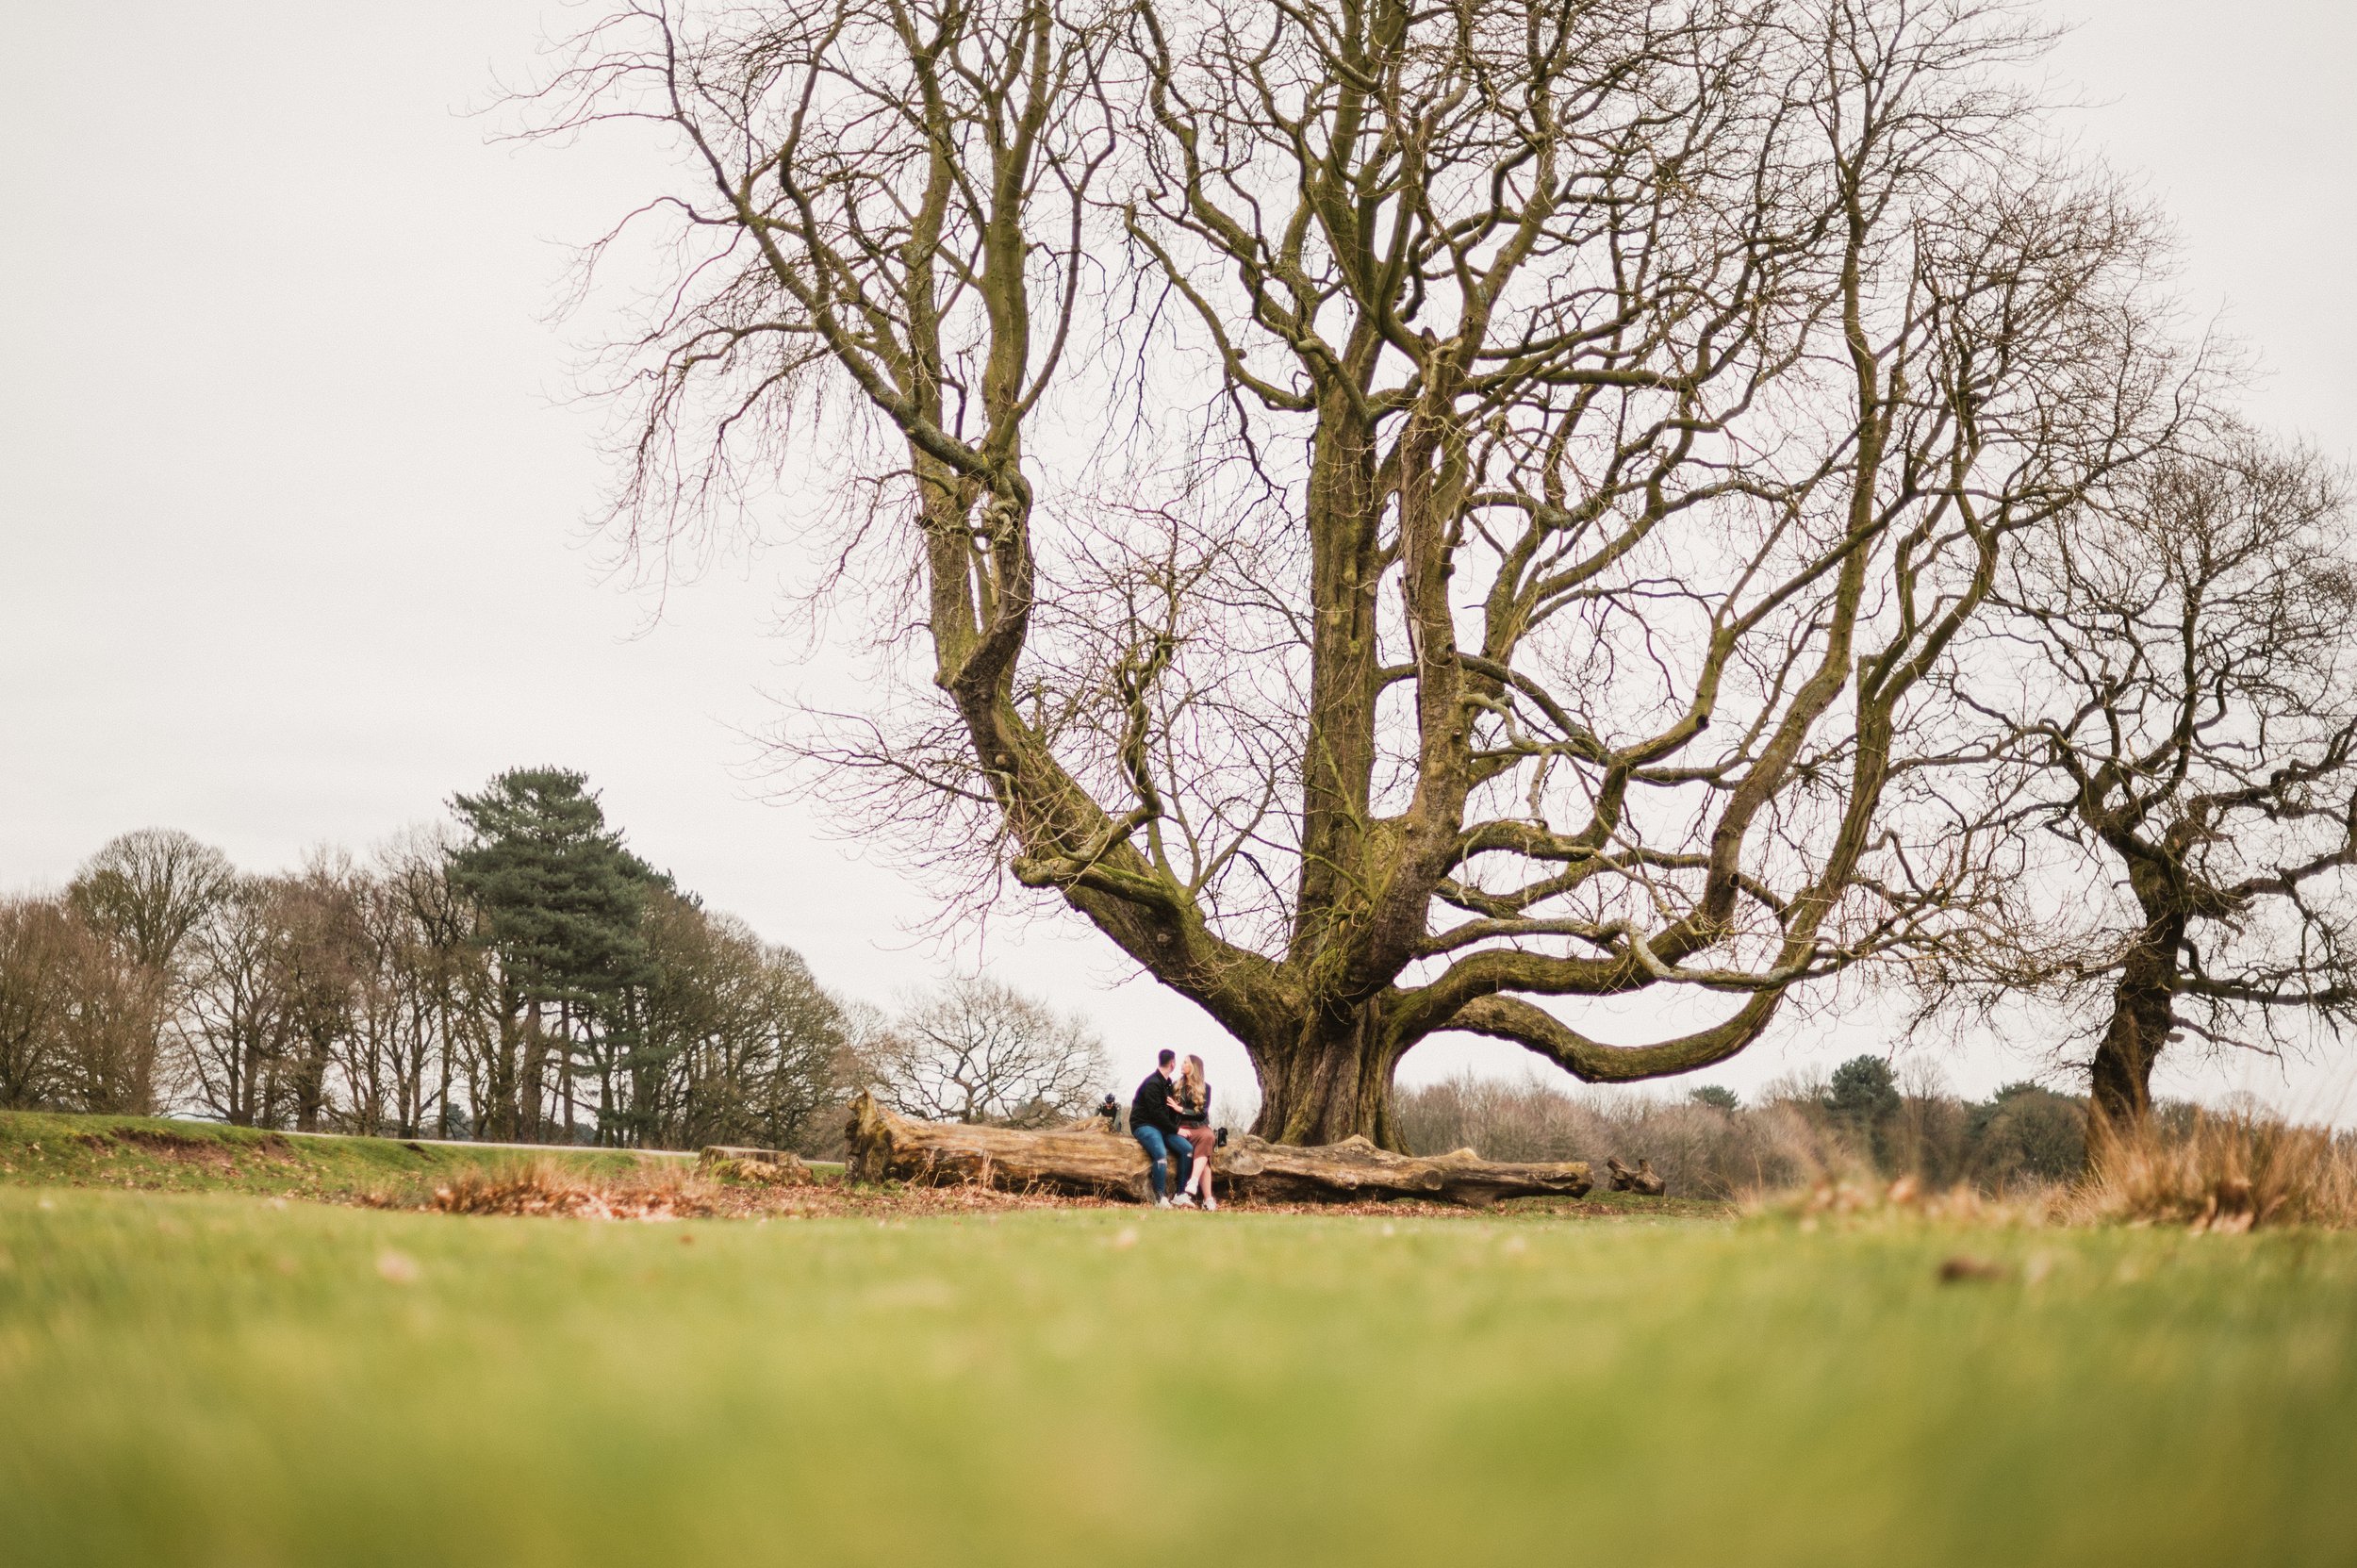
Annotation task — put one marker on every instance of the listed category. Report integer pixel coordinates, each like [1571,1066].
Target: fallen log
[888,1147]
[1083,1161]
[1642,1181]
[1355,1170]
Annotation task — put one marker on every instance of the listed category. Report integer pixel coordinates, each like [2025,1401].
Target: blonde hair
[1190,1079]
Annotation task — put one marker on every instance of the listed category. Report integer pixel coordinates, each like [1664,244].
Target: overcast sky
[292,492]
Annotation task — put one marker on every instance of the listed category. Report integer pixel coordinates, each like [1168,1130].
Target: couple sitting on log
[1172,1122]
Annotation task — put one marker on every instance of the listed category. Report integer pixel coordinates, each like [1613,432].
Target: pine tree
[1864,1097]
[561,900]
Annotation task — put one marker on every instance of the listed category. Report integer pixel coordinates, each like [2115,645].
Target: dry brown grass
[1861,1196]
[2222,1173]
[2214,1173]
[548,1187]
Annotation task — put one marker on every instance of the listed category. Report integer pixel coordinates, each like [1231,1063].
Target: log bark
[1090,1163]
[1643,1182]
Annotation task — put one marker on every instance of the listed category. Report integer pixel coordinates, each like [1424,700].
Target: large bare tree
[2175,673]
[1412,515]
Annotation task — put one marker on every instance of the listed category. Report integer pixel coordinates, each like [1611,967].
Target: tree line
[518,973]
[1861,1119]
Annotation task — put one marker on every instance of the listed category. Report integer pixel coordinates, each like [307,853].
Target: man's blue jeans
[1162,1147]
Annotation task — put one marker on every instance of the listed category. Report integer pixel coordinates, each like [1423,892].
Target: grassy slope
[205,1379]
[152,1153]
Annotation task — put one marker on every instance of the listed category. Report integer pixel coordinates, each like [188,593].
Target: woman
[1194,1104]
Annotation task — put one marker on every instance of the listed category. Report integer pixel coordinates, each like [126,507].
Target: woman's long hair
[1191,1088]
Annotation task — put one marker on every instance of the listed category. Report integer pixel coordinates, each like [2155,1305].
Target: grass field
[152,1154]
[212,1379]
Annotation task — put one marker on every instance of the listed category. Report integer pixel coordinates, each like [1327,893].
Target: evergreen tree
[1864,1097]
[2027,1132]
[562,903]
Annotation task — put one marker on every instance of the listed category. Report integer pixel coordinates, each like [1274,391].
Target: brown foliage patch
[1856,1194]
[756,1173]
[545,1187]
[2222,1173]
[2226,1174]
[165,1144]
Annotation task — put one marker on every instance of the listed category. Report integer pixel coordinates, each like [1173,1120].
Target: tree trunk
[565,1066]
[243,1068]
[310,1089]
[530,1081]
[497,1114]
[2143,1017]
[1090,1164]
[449,1044]
[1331,1082]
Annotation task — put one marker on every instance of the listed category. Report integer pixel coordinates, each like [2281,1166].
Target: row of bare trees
[1862,1120]
[1449,518]
[438,989]
[371,996]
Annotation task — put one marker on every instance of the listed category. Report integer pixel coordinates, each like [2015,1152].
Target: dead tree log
[887,1147]
[1355,1170]
[1642,1181]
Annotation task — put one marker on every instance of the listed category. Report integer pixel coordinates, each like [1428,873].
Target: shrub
[1856,1126]
[2030,1135]
[2222,1173]
[548,1187]
[1700,1149]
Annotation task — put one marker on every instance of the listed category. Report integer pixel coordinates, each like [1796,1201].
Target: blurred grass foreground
[225,1379]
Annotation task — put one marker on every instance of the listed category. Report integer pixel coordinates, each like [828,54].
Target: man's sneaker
[1184,1200]
[1161,1203]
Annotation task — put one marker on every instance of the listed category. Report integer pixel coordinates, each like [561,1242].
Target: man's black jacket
[1151,1107]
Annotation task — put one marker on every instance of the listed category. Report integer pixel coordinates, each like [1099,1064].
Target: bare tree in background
[732,1041]
[1411,513]
[89,980]
[2177,676]
[38,970]
[150,890]
[318,956]
[143,894]
[977,1050]
[80,1015]
[449,977]
[34,994]
[393,1052]
[236,1029]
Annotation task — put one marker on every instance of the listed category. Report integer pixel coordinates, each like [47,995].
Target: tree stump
[1642,1181]
[888,1147]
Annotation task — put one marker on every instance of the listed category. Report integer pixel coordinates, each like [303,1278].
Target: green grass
[154,1154]
[211,1379]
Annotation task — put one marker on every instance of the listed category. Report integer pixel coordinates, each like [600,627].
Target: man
[1155,1126]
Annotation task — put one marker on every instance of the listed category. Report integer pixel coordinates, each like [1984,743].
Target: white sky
[291,497]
